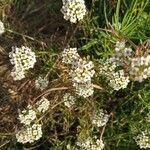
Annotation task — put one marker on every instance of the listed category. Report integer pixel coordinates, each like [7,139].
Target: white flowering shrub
[73,10]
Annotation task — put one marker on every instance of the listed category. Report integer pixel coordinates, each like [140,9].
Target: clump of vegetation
[75,74]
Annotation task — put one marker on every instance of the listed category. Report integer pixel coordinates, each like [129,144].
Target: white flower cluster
[30,134]
[42,105]
[143,140]
[120,45]
[27,115]
[84,90]
[81,76]
[148,117]
[69,100]
[81,72]
[31,130]
[121,50]
[127,52]
[122,54]
[108,67]
[90,144]
[70,55]
[73,10]
[117,79]
[17,74]
[2,28]
[41,83]
[23,59]
[140,68]
[100,118]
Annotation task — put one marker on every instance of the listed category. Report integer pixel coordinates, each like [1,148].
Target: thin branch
[26,36]
[4,144]
[51,90]
[97,86]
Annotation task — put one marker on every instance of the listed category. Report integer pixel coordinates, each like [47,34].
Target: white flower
[23,59]
[139,61]
[100,144]
[100,118]
[70,55]
[120,45]
[27,116]
[127,52]
[17,74]
[108,67]
[41,83]
[143,140]
[73,10]
[43,105]
[90,144]
[122,53]
[148,117]
[69,100]
[117,79]
[29,134]
[84,90]
[83,72]
[140,68]
[2,28]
